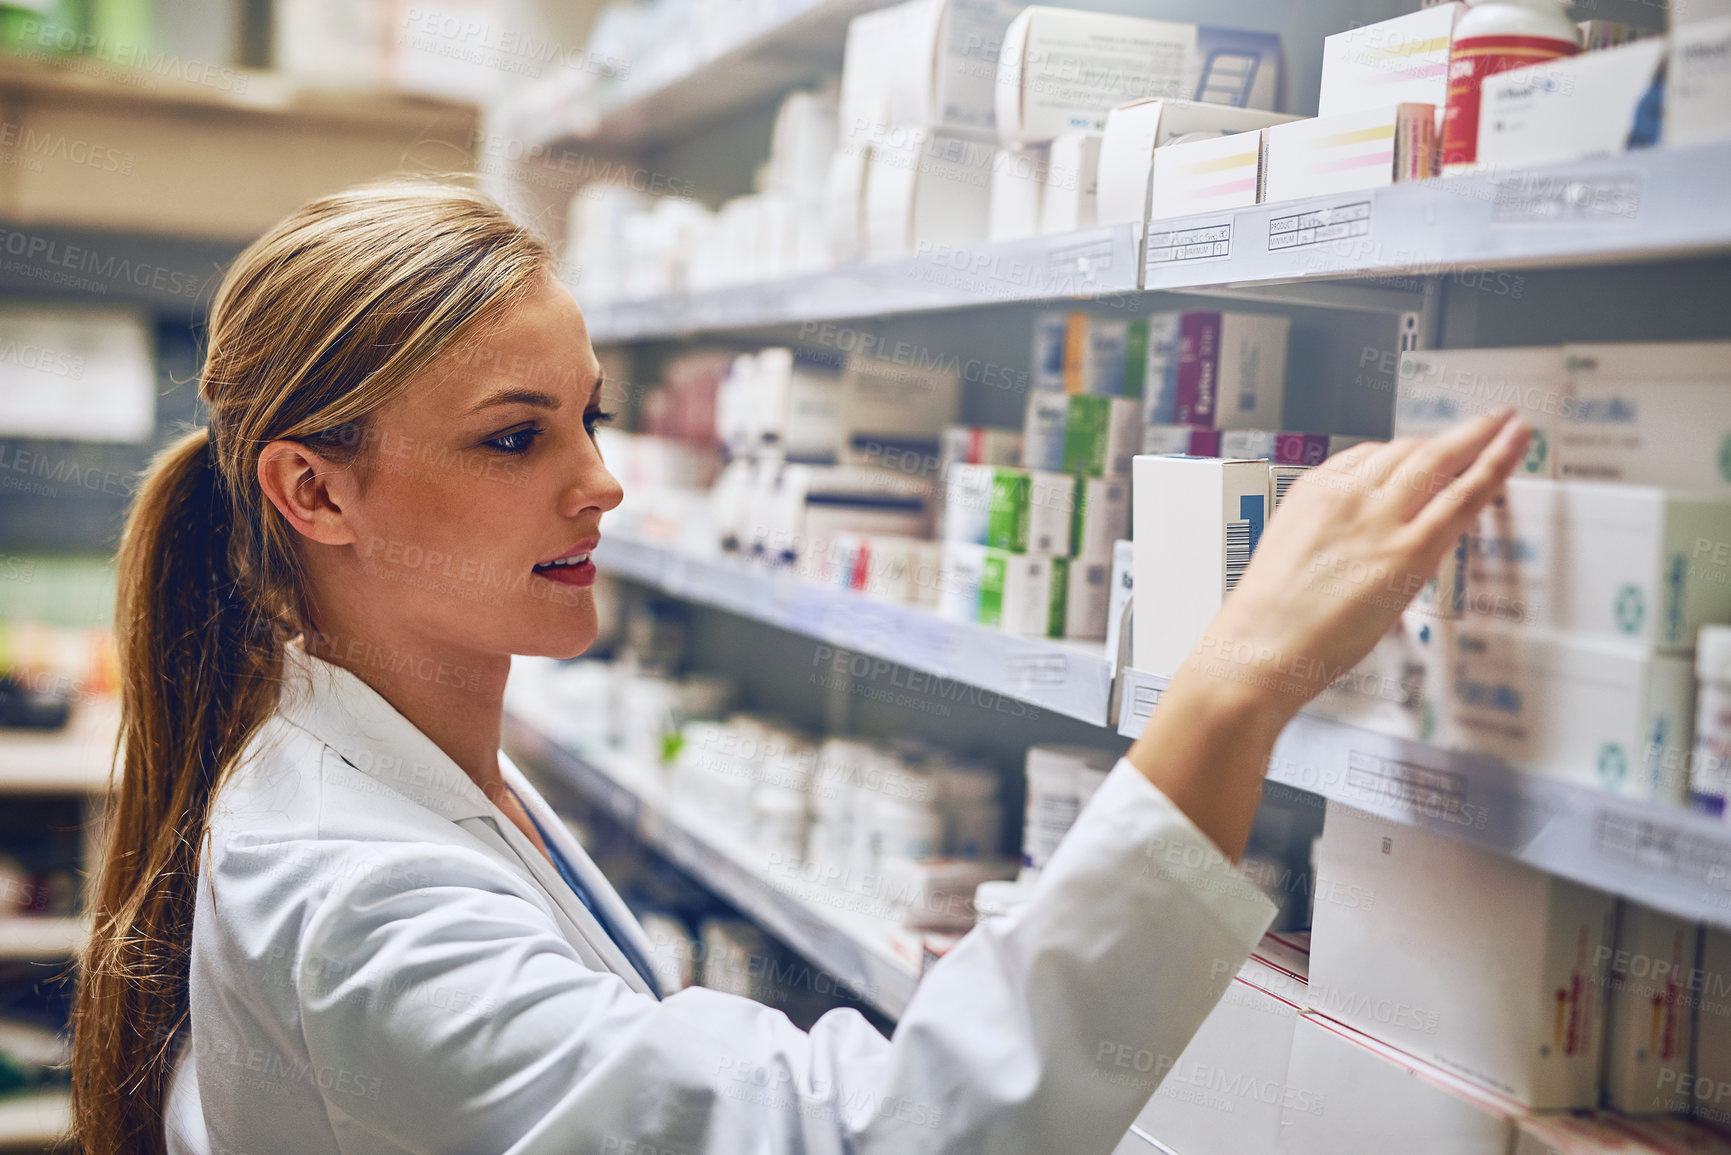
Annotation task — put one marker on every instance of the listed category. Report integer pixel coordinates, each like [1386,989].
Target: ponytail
[198,669]
[321,322]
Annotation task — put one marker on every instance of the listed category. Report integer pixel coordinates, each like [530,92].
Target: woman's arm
[1356,538]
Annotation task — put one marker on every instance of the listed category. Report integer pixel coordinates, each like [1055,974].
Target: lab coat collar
[353,719]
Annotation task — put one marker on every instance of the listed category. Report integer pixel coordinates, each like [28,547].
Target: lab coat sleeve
[462,1021]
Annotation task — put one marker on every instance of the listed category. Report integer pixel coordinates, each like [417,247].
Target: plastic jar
[906,828]
[1710,772]
[1495,36]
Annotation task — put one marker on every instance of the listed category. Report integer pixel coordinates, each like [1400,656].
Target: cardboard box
[1018,184]
[1197,522]
[1348,1092]
[1698,79]
[1061,70]
[1089,596]
[1138,133]
[1102,518]
[1160,369]
[1281,478]
[1348,152]
[1109,354]
[1088,435]
[1123,585]
[1601,560]
[891,410]
[1223,1094]
[1399,61]
[1182,441]
[823,502]
[1072,186]
[1594,104]
[1020,593]
[1202,176]
[924,189]
[1710,1090]
[1438,388]
[1017,510]
[1652,414]
[1394,689]
[1610,715]
[1461,958]
[926,62]
[1061,352]
[1231,370]
[979,445]
[1650,1017]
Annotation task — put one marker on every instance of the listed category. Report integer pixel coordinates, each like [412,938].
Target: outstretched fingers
[1448,514]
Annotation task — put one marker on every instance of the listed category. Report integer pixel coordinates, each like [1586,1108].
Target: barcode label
[1283,482]
[1239,543]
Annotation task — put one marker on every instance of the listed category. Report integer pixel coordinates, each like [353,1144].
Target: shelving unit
[877,961]
[1069,678]
[796,41]
[1368,250]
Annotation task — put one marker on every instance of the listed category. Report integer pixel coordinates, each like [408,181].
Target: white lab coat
[382,962]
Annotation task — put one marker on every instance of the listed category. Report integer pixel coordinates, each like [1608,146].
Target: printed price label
[1205,242]
[1038,669]
[1319,226]
[1408,785]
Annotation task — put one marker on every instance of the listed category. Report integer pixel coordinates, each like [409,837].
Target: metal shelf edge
[1063,677]
[1659,855]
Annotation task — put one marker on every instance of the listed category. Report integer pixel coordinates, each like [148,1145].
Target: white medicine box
[1398,61]
[1196,524]
[1489,969]
[1438,389]
[1653,414]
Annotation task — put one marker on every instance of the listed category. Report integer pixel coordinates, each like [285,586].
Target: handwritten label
[1319,226]
[1199,244]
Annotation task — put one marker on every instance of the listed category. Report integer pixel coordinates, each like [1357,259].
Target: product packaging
[1346,153]
[1594,104]
[1138,133]
[1223,1093]
[1061,780]
[1102,518]
[1698,79]
[1200,176]
[1601,560]
[1018,185]
[1495,36]
[1710,769]
[1123,585]
[1069,197]
[1650,1016]
[1061,70]
[1651,414]
[926,62]
[1089,435]
[923,190]
[1464,959]
[1089,595]
[1197,522]
[1019,593]
[1710,1090]
[1440,388]
[1018,510]
[1394,689]
[1060,354]
[1400,61]
[1349,1092]
[1611,715]
[1231,371]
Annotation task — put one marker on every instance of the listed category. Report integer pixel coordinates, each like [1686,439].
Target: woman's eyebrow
[516,397]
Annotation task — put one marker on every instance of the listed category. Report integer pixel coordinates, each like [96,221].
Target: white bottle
[1495,36]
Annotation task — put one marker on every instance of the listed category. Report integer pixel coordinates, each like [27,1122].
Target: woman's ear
[312,492]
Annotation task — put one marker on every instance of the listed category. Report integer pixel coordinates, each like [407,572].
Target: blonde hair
[318,323]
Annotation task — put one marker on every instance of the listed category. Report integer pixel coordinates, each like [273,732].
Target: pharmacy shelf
[959,659]
[33,1120]
[25,939]
[1088,263]
[75,760]
[1368,250]
[795,42]
[1651,204]
[1660,856]
[878,962]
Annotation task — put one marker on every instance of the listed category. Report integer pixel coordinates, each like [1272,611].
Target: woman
[333,918]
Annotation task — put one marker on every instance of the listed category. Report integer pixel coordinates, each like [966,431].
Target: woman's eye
[515,442]
[596,417]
